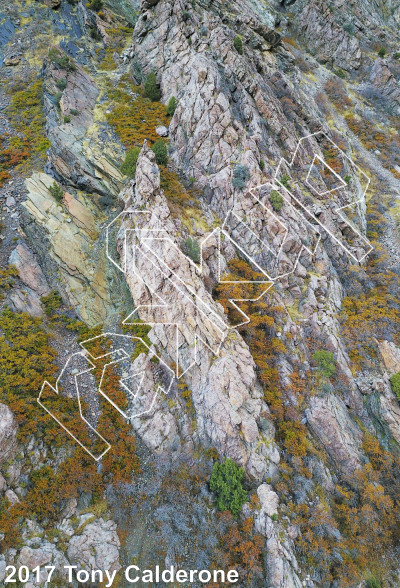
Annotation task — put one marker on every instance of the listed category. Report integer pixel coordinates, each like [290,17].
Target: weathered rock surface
[29,270]
[246,107]
[332,425]
[391,356]
[8,434]
[77,154]
[67,236]
[97,547]
[226,396]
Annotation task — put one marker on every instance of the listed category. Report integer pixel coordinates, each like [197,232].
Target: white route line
[145,238]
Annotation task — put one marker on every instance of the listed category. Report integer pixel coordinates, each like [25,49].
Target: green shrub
[226,481]
[276,200]
[261,163]
[347,179]
[95,5]
[326,362]
[61,60]
[396,55]
[382,52]
[61,84]
[241,175]
[238,44]
[285,181]
[349,28]
[74,112]
[186,15]
[191,248]
[129,166]
[57,98]
[372,583]
[160,151]
[56,192]
[95,35]
[339,73]
[67,118]
[151,89]
[395,383]
[171,106]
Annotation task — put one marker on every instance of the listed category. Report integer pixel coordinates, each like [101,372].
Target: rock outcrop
[8,434]
[69,233]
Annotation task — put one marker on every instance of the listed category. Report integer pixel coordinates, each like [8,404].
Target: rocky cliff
[215,185]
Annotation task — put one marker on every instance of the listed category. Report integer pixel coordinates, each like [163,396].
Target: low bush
[339,73]
[95,35]
[382,52]
[395,383]
[96,5]
[57,98]
[191,248]
[337,93]
[276,200]
[134,120]
[285,181]
[61,60]
[238,44]
[160,151]
[325,362]
[52,302]
[372,583]
[61,84]
[226,481]
[241,176]
[129,166]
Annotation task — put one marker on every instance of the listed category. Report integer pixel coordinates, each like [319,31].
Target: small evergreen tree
[160,151]
[226,481]
[238,44]
[241,175]
[171,106]
[56,192]
[151,89]
[129,166]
